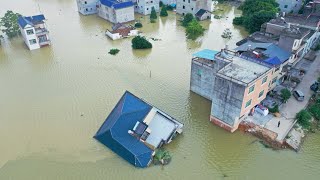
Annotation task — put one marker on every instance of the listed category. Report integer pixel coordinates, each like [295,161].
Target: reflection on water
[44,92]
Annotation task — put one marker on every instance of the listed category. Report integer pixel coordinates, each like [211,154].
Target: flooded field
[44,93]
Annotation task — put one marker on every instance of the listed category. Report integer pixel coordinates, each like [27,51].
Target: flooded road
[44,93]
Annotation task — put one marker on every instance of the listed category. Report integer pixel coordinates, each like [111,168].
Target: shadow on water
[141,53]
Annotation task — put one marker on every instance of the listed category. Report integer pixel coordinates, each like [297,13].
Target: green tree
[160,4]
[153,14]
[315,111]
[285,94]
[9,24]
[255,13]
[303,118]
[138,25]
[187,19]
[140,42]
[194,30]
[163,11]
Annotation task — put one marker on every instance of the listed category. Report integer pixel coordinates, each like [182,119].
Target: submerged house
[135,129]
[193,6]
[145,6]
[203,14]
[116,11]
[120,31]
[34,31]
[87,7]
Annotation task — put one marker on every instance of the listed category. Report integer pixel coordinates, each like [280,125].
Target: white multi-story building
[290,5]
[193,6]
[34,31]
[116,11]
[87,7]
[145,6]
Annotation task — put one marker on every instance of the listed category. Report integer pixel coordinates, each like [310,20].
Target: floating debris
[227,34]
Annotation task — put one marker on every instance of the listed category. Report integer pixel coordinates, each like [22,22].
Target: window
[86,9]
[85,2]
[184,0]
[188,1]
[248,103]
[261,93]
[274,80]
[32,41]
[251,89]
[192,9]
[264,80]
[147,9]
[183,7]
[285,6]
[151,1]
[30,31]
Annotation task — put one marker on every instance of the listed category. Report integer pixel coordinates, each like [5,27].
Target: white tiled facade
[116,15]
[144,6]
[87,7]
[192,6]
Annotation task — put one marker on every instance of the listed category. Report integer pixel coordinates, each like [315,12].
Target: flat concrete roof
[243,70]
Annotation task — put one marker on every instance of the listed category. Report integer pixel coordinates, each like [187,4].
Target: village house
[87,7]
[293,33]
[193,6]
[169,2]
[234,84]
[145,6]
[116,11]
[120,31]
[135,129]
[267,53]
[203,14]
[34,31]
[290,6]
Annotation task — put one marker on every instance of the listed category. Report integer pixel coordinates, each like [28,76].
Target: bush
[304,118]
[160,4]
[315,111]
[138,25]
[162,157]
[285,94]
[238,20]
[169,8]
[275,109]
[114,51]
[153,14]
[163,12]
[194,30]
[187,19]
[139,42]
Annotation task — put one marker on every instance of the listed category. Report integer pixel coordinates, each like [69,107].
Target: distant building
[120,31]
[145,6]
[203,14]
[235,84]
[135,129]
[34,31]
[169,2]
[289,6]
[87,7]
[193,6]
[116,11]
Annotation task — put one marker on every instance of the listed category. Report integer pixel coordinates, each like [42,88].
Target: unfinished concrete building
[234,84]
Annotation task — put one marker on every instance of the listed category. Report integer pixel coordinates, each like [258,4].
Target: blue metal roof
[271,50]
[115,4]
[114,131]
[273,61]
[206,54]
[31,20]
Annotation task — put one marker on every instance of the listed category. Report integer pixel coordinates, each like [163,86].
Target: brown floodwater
[44,92]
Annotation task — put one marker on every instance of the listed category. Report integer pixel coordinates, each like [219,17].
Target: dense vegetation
[140,42]
[9,24]
[162,157]
[255,13]
[193,27]
[303,118]
[187,19]
[163,12]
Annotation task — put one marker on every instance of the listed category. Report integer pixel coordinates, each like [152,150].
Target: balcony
[41,31]
[44,42]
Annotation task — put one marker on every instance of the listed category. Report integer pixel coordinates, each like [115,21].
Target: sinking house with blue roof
[135,129]
[116,11]
[34,31]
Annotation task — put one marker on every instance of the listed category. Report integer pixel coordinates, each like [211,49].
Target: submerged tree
[187,19]
[153,14]
[9,24]
[163,11]
[140,42]
[194,30]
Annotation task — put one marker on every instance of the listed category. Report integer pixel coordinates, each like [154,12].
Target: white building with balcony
[87,7]
[116,11]
[34,31]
